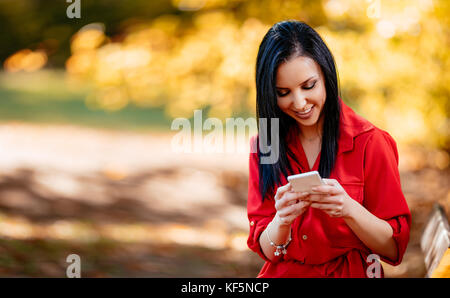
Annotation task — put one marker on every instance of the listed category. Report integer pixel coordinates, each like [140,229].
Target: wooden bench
[435,244]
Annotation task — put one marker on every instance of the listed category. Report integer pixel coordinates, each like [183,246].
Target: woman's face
[301,92]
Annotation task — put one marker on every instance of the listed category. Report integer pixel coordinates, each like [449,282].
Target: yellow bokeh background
[86,110]
[392,59]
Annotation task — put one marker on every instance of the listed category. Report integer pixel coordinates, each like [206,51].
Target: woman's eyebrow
[300,83]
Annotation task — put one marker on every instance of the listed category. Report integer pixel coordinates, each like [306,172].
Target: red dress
[367,168]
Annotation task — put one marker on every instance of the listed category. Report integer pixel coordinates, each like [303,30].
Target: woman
[361,213]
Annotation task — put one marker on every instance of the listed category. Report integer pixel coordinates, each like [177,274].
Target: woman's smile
[305,114]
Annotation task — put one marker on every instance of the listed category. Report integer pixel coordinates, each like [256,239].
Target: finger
[293,197]
[326,189]
[296,195]
[324,207]
[294,209]
[315,197]
[332,182]
[302,205]
[320,197]
[283,201]
[281,190]
[287,208]
[292,202]
[285,212]
[324,199]
[334,213]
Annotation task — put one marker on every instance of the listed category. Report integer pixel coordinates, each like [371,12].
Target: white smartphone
[305,181]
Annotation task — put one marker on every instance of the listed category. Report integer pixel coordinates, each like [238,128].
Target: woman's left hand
[331,199]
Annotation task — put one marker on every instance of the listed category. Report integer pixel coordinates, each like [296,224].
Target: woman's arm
[279,233]
[374,232]
[289,206]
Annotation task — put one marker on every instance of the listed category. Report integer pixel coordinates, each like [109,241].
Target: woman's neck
[312,133]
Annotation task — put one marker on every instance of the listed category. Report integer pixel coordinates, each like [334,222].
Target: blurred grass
[46,99]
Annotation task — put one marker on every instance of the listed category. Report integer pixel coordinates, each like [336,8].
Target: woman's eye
[310,87]
[280,94]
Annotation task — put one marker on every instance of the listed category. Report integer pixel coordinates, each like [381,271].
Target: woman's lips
[305,115]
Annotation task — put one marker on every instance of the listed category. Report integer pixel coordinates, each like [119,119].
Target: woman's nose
[299,101]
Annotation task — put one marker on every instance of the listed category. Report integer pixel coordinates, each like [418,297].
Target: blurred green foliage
[43,24]
[182,55]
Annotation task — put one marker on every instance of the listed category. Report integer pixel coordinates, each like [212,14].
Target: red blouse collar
[351,125]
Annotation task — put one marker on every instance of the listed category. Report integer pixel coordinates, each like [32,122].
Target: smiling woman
[360,214]
[303,101]
[295,71]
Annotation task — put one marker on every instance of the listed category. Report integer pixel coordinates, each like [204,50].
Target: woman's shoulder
[360,127]
[379,145]
[381,139]
[378,135]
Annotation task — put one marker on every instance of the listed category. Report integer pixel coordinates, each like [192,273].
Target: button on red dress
[367,168]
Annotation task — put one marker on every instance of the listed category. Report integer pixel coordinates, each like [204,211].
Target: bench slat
[435,243]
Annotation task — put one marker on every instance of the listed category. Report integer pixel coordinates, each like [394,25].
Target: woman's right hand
[289,204]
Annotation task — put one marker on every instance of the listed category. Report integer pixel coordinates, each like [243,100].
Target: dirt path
[129,206]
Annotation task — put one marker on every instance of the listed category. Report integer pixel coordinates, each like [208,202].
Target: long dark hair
[285,40]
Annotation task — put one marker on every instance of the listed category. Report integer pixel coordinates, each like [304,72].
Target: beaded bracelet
[279,248]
